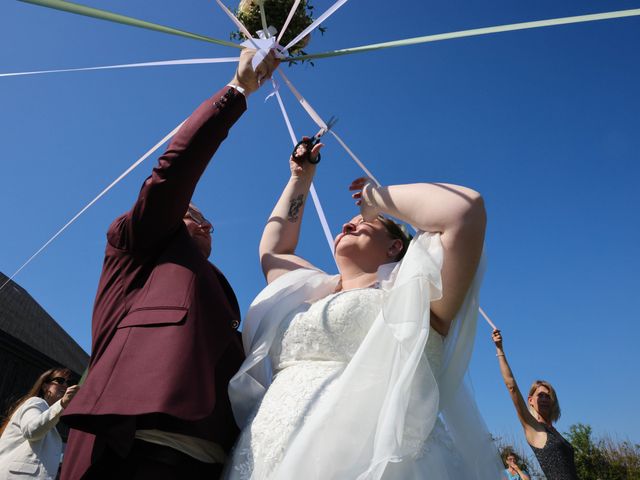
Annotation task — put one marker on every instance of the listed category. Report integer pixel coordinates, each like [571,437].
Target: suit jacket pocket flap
[154,317]
[23,467]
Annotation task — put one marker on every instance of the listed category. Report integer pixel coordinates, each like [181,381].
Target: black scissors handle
[309,143]
[305,156]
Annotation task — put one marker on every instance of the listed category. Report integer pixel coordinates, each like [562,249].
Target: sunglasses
[199,219]
[59,381]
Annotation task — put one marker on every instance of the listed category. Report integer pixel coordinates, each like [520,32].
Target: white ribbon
[486,317]
[308,108]
[265,42]
[294,7]
[314,194]
[263,16]
[233,18]
[318,120]
[98,197]
[285,116]
[275,87]
[355,159]
[192,61]
[316,23]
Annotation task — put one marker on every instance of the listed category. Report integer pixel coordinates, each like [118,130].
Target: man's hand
[249,79]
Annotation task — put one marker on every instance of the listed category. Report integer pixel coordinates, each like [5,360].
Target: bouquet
[276,13]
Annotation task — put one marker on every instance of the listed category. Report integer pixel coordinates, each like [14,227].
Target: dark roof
[23,318]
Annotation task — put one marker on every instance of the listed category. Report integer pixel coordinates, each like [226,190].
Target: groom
[164,339]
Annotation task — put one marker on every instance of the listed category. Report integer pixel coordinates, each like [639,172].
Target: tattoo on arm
[294,208]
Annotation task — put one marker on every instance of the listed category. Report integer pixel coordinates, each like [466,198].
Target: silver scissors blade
[332,121]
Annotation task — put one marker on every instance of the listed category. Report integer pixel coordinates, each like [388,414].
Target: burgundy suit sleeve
[165,195]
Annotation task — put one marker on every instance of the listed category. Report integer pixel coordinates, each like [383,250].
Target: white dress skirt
[345,386]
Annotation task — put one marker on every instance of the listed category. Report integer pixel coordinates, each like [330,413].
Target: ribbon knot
[265,42]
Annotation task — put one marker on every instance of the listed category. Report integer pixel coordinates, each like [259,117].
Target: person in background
[513,470]
[537,415]
[30,445]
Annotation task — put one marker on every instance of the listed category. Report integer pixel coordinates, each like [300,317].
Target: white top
[30,446]
[203,450]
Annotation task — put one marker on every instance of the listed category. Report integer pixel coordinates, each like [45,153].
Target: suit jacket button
[235,324]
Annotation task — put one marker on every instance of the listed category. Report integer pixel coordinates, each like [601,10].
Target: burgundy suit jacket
[164,339]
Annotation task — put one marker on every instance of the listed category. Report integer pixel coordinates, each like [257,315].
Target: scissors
[302,150]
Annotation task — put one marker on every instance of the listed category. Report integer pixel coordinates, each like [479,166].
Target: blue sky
[543,122]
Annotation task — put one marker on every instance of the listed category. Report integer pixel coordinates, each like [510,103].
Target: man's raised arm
[165,195]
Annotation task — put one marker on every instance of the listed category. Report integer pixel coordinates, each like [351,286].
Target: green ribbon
[115,17]
[471,33]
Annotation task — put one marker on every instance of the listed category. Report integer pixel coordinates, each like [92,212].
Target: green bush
[603,459]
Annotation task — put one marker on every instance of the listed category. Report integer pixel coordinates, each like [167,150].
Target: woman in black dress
[537,415]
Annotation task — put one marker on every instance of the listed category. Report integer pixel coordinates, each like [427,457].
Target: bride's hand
[302,168]
[362,187]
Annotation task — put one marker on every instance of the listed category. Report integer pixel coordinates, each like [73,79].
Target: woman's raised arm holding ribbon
[280,236]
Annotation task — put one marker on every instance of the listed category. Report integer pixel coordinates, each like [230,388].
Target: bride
[360,375]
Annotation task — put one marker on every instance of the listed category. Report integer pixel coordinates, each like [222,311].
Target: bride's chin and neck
[358,268]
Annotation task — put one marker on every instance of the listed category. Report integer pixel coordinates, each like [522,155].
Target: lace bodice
[330,329]
[333,328]
[311,349]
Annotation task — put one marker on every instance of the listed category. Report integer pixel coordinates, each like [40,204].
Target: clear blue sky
[545,123]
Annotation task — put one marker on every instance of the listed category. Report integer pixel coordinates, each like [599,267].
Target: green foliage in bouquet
[276,12]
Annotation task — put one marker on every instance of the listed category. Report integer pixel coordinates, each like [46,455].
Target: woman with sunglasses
[359,375]
[30,445]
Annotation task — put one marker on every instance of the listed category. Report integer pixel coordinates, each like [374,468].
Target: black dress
[556,457]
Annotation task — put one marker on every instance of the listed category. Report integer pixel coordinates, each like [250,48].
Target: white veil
[387,399]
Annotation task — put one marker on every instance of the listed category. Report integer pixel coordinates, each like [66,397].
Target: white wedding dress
[346,385]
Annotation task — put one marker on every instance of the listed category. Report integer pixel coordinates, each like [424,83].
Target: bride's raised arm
[281,233]
[456,212]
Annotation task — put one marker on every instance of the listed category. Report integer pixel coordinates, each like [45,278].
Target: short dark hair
[398,231]
[510,453]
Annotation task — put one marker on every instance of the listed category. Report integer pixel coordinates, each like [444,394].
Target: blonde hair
[555,408]
[399,231]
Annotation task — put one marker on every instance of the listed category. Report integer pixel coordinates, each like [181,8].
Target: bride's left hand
[368,209]
[302,168]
